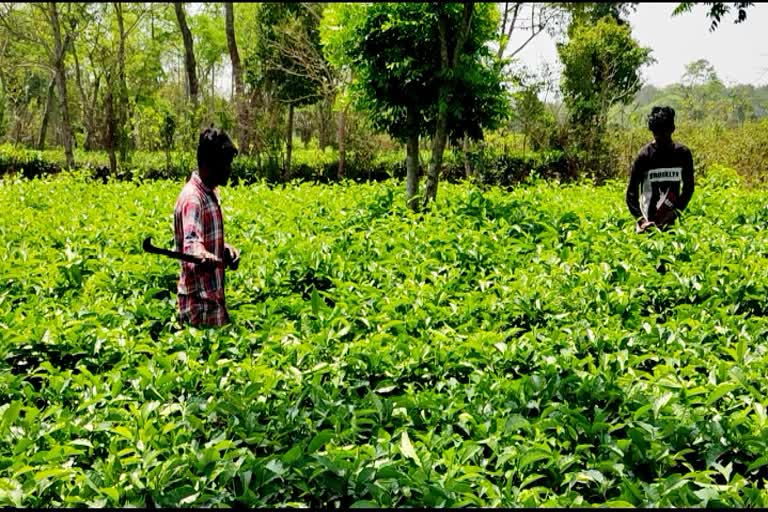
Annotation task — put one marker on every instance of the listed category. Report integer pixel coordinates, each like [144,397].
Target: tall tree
[601,64]
[237,76]
[122,97]
[61,82]
[339,23]
[450,52]
[601,68]
[29,67]
[46,114]
[189,53]
[590,12]
[291,58]
[111,124]
[398,71]
[704,95]
[211,47]
[471,96]
[394,76]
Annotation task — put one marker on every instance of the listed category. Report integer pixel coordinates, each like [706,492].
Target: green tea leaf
[720,391]
[10,415]
[319,440]
[406,448]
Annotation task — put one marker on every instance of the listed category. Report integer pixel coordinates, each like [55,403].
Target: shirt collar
[202,186]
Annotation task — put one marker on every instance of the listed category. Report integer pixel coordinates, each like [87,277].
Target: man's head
[661,121]
[215,152]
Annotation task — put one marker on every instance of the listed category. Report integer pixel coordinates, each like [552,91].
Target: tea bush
[509,348]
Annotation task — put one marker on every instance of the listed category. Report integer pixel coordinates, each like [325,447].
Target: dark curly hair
[214,144]
[661,119]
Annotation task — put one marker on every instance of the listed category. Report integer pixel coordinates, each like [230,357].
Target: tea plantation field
[512,348]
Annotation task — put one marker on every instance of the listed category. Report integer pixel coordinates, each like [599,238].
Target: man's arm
[231,256]
[632,195]
[192,227]
[688,186]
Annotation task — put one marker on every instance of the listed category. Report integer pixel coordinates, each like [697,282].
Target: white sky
[738,52]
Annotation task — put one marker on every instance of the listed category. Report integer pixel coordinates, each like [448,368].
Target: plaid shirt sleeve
[193,241]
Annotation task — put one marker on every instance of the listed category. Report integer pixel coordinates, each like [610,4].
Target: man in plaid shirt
[199,231]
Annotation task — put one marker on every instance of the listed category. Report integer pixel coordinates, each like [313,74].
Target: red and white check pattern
[199,228]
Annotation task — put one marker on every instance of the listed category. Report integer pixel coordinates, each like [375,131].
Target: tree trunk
[465,151]
[448,62]
[412,160]
[441,126]
[438,148]
[189,52]
[87,106]
[324,109]
[289,142]
[251,103]
[213,92]
[237,79]
[342,135]
[122,102]
[61,81]
[111,128]
[46,116]
[90,122]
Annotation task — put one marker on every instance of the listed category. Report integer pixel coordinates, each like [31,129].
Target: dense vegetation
[514,348]
[509,341]
[123,88]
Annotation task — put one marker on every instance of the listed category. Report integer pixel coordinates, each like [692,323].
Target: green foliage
[395,56]
[513,349]
[704,104]
[717,10]
[210,38]
[337,28]
[502,158]
[743,149]
[394,65]
[592,12]
[601,62]
[268,64]
[530,115]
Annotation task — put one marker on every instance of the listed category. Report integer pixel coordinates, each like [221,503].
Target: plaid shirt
[199,227]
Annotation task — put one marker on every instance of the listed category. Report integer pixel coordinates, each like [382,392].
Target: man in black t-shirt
[658,172]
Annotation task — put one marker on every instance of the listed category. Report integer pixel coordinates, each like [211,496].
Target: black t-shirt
[658,173]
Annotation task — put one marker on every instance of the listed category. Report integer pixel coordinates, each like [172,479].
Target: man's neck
[207,179]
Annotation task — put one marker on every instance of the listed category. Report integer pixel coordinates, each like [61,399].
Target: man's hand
[231,256]
[208,260]
[642,225]
[667,217]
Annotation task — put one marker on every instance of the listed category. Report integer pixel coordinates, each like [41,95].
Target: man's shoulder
[189,193]
[647,148]
[645,151]
[681,148]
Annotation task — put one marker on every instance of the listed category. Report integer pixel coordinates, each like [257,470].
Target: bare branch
[504,20]
[11,27]
[466,24]
[36,65]
[542,15]
[136,23]
[293,53]
[530,38]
